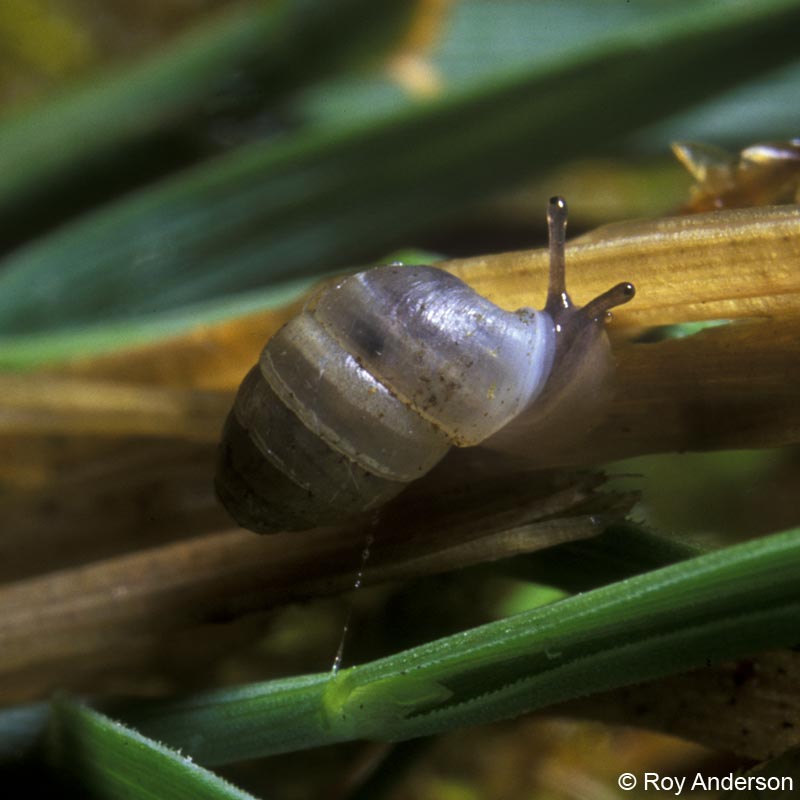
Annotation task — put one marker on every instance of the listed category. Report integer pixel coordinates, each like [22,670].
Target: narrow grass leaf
[111,761]
[703,610]
[236,63]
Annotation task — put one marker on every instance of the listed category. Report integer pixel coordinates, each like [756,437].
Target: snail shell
[370,386]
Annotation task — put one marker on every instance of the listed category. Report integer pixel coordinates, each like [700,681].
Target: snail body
[381,374]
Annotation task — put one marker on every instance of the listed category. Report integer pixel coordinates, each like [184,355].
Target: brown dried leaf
[70,627]
[723,265]
[749,707]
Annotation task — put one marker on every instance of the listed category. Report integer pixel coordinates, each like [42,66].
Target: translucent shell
[370,386]
[275,474]
[350,409]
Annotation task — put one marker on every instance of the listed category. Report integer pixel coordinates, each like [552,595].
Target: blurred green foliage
[250,154]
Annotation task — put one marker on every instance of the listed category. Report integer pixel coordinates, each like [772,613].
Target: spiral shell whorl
[274,473]
[447,352]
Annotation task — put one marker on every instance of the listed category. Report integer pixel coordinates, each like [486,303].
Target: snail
[386,370]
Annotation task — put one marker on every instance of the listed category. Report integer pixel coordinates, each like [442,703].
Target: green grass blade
[24,352]
[328,199]
[232,63]
[28,351]
[714,607]
[109,760]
